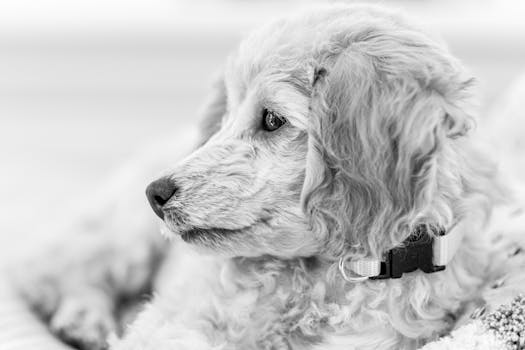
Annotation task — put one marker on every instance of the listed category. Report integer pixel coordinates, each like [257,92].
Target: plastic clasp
[416,253]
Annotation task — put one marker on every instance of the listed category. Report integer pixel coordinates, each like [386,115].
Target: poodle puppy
[331,137]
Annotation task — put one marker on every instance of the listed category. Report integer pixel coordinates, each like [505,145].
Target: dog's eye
[272,121]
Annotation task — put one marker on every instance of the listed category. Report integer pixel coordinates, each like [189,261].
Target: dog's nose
[159,193]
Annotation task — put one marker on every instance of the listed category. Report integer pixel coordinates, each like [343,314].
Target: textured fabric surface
[473,336]
[19,328]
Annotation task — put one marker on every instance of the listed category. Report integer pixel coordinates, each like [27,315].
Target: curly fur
[376,143]
[379,114]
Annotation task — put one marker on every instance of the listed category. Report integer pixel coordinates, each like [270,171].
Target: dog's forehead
[268,69]
[285,58]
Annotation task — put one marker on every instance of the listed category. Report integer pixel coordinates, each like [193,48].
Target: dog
[330,137]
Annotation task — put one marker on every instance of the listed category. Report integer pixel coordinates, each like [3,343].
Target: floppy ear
[213,110]
[379,145]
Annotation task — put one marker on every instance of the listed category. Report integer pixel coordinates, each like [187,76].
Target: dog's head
[334,131]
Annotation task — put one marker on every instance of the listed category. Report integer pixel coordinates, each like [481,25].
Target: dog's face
[328,131]
[240,192]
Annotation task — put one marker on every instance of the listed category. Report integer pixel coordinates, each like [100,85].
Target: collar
[422,250]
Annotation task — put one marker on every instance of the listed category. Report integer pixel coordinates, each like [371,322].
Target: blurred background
[86,84]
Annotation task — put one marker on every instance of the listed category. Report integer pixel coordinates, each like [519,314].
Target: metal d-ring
[352,279]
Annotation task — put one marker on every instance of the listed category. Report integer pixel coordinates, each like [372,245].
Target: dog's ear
[213,110]
[377,140]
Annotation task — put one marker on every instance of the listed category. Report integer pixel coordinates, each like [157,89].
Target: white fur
[376,142]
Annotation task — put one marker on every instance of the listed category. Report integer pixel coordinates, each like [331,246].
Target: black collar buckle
[416,253]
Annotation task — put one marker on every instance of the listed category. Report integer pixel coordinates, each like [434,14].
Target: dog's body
[275,304]
[373,143]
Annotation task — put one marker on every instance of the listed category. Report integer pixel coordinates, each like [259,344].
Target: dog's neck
[314,297]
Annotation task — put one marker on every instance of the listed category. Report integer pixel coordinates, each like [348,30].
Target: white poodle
[332,139]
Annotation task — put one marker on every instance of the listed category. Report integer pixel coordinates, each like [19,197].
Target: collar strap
[429,253]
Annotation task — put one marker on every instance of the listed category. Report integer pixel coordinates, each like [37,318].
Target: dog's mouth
[215,233]
[179,226]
